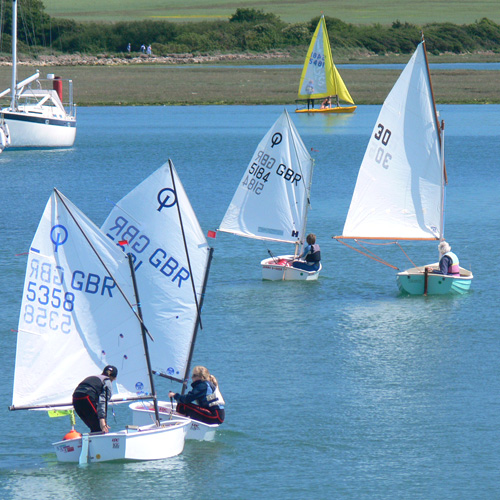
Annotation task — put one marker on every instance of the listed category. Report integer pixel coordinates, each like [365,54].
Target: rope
[369,254]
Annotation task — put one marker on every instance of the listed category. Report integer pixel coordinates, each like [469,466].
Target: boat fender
[72,434]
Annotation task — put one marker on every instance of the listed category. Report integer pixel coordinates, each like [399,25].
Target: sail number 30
[383,135]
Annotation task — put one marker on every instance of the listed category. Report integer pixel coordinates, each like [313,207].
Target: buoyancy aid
[91,386]
[454,269]
[210,399]
[314,255]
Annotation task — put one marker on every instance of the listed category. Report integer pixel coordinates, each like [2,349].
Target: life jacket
[314,255]
[454,269]
[211,398]
[91,386]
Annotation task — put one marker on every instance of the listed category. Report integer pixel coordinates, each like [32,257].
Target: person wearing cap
[90,399]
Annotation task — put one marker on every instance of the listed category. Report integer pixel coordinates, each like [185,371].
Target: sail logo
[276,139]
[166,201]
[58,235]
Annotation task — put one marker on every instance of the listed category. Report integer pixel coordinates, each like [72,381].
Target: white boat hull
[143,414]
[142,443]
[412,281]
[44,132]
[280,269]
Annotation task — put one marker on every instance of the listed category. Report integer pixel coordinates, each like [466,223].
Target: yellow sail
[320,78]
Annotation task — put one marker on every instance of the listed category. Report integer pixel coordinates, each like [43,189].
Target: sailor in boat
[311,254]
[204,402]
[448,263]
[327,103]
[91,397]
[310,90]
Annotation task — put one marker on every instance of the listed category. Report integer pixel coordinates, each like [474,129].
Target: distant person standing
[143,48]
[129,48]
[149,50]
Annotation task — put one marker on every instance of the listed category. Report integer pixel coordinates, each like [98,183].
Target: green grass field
[352,11]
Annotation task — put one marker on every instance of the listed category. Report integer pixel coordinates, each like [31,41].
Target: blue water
[340,388]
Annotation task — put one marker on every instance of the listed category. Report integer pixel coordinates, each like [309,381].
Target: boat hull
[141,443]
[143,414]
[412,281]
[41,131]
[336,109]
[280,269]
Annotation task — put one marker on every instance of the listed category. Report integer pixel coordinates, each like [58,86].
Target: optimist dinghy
[172,260]
[77,316]
[273,198]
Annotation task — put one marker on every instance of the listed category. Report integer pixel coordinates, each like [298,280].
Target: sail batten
[398,193]
[271,201]
[320,78]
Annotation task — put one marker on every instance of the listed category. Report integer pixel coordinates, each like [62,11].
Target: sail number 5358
[383,135]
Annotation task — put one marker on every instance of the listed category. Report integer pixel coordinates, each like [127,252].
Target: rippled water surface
[340,388]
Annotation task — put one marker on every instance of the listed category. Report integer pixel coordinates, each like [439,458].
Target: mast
[14,54]
[443,176]
[307,193]
[440,134]
[198,323]
[144,339]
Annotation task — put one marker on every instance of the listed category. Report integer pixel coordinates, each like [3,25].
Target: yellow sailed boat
[320,82]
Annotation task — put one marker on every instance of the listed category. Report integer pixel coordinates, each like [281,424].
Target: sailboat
[320,79]
[172,261]
[272,200]
[37,117]
[80,312]
[399,193]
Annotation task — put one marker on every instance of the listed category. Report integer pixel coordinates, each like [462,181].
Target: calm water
[336,389]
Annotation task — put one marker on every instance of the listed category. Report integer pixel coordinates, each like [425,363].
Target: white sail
[148,219]
[272,198]
[398,193]
[74,320]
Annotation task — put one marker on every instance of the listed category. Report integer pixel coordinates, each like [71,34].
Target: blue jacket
[202,394]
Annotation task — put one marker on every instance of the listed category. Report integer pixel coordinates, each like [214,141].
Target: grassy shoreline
[229,83]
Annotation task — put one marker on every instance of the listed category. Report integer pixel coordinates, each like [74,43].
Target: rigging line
[397,243]
[373,256]
[103,264]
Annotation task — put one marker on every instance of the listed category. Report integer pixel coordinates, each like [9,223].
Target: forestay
[399,190]
[148,219]
[320,78]
[73,318]
[272,198]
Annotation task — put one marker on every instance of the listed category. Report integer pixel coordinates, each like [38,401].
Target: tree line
[247,30]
